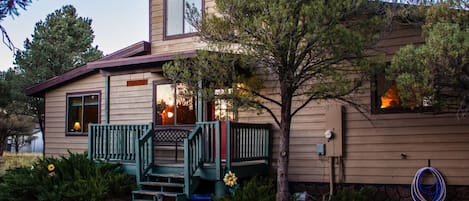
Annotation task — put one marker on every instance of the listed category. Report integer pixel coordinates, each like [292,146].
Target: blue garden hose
[437,190]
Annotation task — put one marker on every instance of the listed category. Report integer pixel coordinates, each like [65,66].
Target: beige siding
[373,148]
[128,104]
[131,104]
[161,46]
[55,111]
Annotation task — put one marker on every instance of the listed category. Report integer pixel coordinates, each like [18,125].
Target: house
[121,108]
[34,144]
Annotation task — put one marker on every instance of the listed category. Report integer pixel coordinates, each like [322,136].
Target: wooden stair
[161,187]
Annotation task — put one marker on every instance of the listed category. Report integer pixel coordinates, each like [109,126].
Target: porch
[171,163]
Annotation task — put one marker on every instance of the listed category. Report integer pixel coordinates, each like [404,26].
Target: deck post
[200,103]
[228,145]
[219,188]
[90,142]
[219,185]
[187,175]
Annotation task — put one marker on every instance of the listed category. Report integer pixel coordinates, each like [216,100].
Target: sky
[116,23]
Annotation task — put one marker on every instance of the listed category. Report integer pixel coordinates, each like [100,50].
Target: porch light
[76,126]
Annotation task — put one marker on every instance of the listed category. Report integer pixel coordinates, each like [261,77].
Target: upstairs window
[82,109]
[176,21]
[173,106]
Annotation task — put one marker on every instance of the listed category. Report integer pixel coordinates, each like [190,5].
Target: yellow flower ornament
[51,167]
[230,179]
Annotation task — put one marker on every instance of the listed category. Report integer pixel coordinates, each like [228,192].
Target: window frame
[67,107]
[375,101]
[155,118]
[165,20]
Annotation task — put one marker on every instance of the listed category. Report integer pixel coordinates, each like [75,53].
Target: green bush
[73,178]
[364,194]
[254,189]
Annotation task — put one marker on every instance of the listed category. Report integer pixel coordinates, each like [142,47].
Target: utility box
[320,149]
[334,130]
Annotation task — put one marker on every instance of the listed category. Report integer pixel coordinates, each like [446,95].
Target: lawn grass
[12,160]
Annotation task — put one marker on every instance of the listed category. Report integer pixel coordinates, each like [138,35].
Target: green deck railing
[201,146]
[244,142]
[144,152]
[115,141]
[247,142]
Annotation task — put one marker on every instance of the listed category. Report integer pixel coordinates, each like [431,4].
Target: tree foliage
[438,71]
[60,43]
[307,49]
[10,7]
[14,125]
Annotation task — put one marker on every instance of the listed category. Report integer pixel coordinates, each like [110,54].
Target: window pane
[185,106]
[188,28]
[165,104]
[74,114]
[174,17]
[223,107]
[390,98]
[90,111]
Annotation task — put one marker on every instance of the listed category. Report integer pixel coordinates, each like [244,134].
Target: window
[223,108]
[385,98]
[82,109]
[173,106]
[176,22]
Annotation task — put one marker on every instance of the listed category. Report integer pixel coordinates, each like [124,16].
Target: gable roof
[134,55]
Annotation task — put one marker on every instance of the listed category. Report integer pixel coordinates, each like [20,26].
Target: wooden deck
[205,153]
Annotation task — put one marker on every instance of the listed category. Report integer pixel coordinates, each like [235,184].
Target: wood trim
[84,134]
[139,60]
[156,69]
[117,64]
[39,89]
[136,49]
[150,23]
[131,83]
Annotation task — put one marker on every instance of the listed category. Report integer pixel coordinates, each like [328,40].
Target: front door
[221,110]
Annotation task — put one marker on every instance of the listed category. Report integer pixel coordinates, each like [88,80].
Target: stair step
[145,192]
[155,193]
[164,184]
[177,176]
[175,164]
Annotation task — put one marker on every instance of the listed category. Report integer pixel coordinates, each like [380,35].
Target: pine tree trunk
[283,193]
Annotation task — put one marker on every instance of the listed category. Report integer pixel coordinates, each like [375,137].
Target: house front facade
[382,149]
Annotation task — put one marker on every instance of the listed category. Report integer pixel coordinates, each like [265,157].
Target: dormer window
[176,21]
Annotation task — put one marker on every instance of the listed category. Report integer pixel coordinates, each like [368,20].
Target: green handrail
[144,152]
[193,154]
[201,146]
